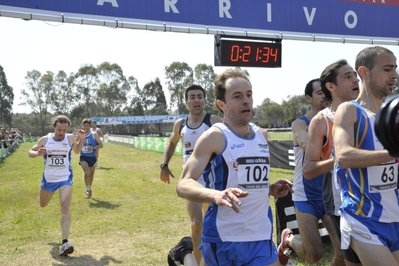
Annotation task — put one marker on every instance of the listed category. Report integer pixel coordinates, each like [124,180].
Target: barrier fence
[144,142]
[30,139]
[6,148]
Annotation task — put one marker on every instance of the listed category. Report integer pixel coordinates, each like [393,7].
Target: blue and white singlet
[190,135]
[305,190]
[244,163]
[89,141]
[370,192]
[57,162]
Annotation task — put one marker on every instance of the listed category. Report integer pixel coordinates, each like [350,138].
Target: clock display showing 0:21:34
[257,54]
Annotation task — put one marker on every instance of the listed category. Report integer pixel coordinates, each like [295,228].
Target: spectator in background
[1,137]
[7,141]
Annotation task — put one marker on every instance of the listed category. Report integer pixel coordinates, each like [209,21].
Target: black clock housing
[247,52]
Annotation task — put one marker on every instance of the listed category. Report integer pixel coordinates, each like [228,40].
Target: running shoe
[66,249]
[284,250]
[88,194]
[176,254]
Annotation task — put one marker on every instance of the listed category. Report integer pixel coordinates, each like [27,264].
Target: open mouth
[246,111]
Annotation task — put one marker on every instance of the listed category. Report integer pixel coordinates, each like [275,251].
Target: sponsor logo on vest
[241,145]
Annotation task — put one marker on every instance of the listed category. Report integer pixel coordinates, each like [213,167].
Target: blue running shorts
[313,207]
[91,161]
[253,253]
[368,231]
[53,186]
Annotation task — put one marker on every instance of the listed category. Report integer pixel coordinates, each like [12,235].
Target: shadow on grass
[84,260]
[105,168]
[102,204]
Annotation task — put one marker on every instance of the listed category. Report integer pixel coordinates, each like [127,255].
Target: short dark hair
[309,87]
[62,119]
[330,74]
[367,56]
[192,88]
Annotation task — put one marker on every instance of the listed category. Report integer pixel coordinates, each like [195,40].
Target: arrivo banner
[339,18]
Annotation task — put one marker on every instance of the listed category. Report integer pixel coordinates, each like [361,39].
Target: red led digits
[240,54]
[248,53]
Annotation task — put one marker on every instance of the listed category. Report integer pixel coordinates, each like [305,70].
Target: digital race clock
[247,53]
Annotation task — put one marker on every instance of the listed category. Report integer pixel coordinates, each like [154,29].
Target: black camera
[387,125]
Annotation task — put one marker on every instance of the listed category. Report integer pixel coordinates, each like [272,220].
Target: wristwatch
[163,165]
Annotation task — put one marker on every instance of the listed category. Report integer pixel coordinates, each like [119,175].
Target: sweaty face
[347,87]
[383,74]
[195,101]
[60,130]
[239,101]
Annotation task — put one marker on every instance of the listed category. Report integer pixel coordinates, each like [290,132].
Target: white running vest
[57,162]
[244,163]
[190,135]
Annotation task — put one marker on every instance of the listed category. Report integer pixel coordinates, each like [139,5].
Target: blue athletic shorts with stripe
[368,231]
[313,207]
[53,186]
[239,253]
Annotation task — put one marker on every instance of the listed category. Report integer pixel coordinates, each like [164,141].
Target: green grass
[132,219]
[286,135]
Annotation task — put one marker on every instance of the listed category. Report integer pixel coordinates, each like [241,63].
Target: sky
[52,46]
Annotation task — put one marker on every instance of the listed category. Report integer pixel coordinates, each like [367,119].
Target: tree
[154,101]
[27,123]
[294,107]
[39,96]
[205,76]
[63,93]
[135,108]
[179,76]
[86,84]
[271,112]
[6,99]
[113,90]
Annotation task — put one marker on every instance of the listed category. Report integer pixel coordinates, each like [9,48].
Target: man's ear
[308,98]
[330,86]
[221,105]
[363,71]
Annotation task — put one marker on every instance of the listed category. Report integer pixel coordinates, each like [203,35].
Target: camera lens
[387,125]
